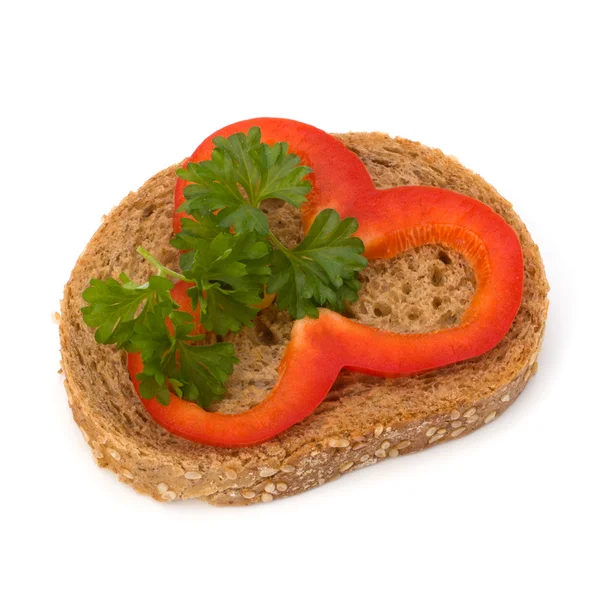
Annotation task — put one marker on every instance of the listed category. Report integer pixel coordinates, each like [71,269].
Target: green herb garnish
[230,258]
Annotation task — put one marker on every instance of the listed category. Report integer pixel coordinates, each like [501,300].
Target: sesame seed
[339,443]
[454,415]
[380,453]
[288,468]
[435,438]
[127,473]
[230,474]
[359,438]
[171,495]
[388,429]
[490,417]
[282,487]
[364,458]
[430,431]
[270,487]
[265,497]
[55,318]
[385,445]
[393,453]
[458,431]
[534,369]
[505,398]
[346,466]
[97,453]
[403,444]
[473,419]
[378,430]
[192,475]
[114,454]
[533,358]
[470,412]
[321,481]
[442,431]
[162,488]
[248,494]
[267,472]
[86,437]
[455,424]
[359,446]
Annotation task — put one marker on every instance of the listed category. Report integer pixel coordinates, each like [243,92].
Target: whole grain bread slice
[363,419]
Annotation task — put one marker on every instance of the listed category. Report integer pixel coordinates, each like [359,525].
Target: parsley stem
[162,270]
[277,243]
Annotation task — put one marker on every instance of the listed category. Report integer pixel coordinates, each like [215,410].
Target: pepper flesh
[390,222]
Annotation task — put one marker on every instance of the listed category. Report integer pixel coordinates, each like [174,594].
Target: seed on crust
[458,431]
[266,497]
[281,486]
[473,419]
[490,417]
[430,431]
[442,431]
[454,415]
[359,446]
[170,495]
[127,473]
[364,458]
[385,445]
[288,468]
[505,398]
[346,466]
[162,488]
[248,494]
[533,358]
[267,472]
[435,438]
[114,454]
[470,412]
[393,453]
[403,444]
[270,487]
[378,431]
[192,475]
[97,453]
[455,424]
[230,474]
[335,443]
[380,453]
[86,437]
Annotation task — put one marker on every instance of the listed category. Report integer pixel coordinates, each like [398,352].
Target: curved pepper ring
[390,222]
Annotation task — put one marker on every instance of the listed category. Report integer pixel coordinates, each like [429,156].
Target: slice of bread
[363,419]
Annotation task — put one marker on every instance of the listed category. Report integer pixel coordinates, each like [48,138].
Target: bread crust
[365,419]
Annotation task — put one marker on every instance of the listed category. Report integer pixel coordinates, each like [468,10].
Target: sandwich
[287,306]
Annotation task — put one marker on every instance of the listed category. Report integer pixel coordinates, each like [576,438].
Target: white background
[97,97]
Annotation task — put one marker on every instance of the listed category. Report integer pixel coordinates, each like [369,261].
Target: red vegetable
[390,222]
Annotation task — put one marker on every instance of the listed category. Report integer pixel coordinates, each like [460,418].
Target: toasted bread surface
[363,419]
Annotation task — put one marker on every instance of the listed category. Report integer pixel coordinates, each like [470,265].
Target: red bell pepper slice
[390,222]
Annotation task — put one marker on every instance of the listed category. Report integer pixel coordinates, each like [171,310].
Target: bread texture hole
[382,310]
[436,302]
[406,288]
[443,256]
[414,314]
[437,277]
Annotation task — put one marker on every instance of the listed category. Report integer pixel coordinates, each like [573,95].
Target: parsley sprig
[230,258]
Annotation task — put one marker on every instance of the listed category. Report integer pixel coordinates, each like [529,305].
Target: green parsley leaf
[115,307]
[230,272]
[242,173]
[321,270]
[173,362]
